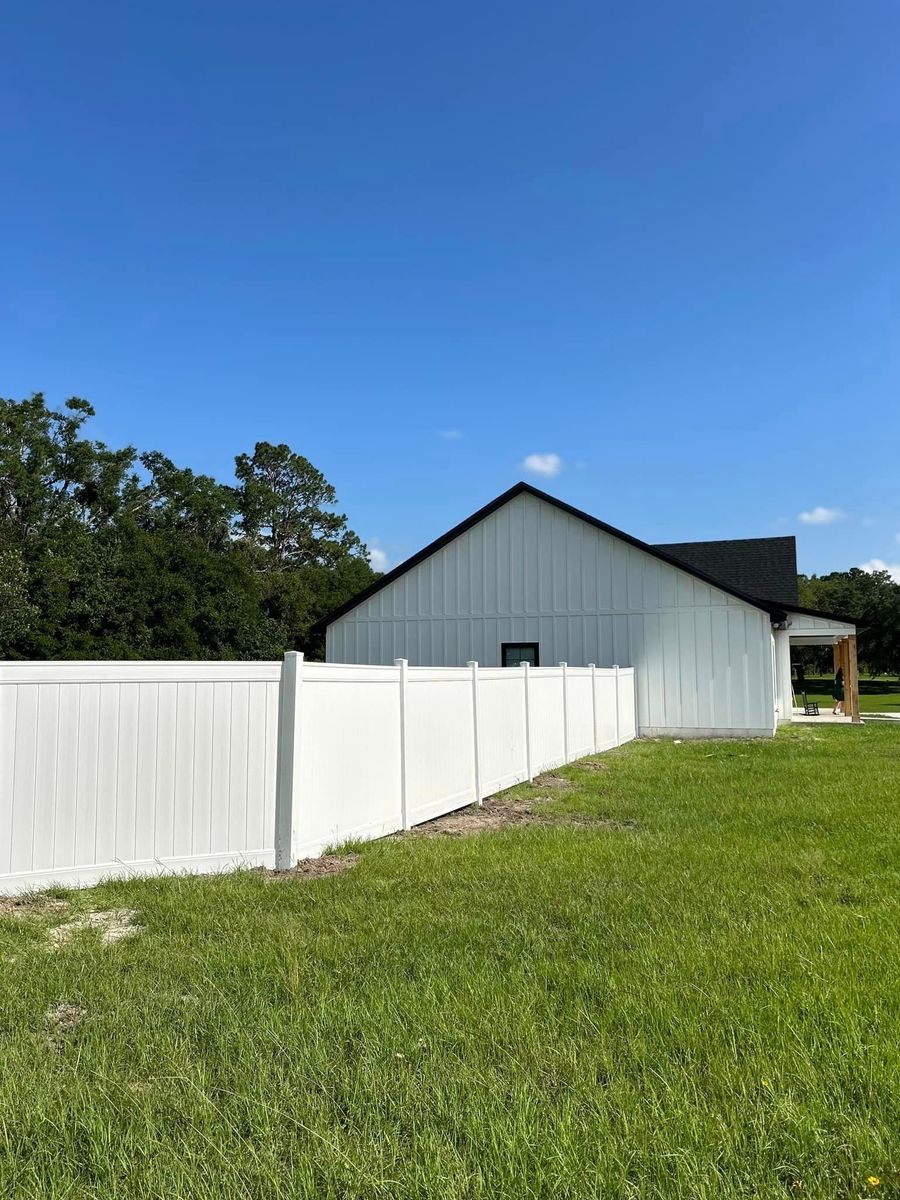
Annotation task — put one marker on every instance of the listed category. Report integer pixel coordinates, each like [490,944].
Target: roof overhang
[809,627]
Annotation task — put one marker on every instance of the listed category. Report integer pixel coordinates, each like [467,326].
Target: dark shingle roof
[763,567]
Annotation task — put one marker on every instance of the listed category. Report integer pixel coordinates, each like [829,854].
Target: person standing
[838,692]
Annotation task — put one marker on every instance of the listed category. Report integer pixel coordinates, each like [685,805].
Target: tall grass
[697,998]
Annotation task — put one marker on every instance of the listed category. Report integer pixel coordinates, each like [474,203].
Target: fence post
[529,765]
[473,667]
[565,671]
[287,779]
[593,667]
[616,681]
[403,664]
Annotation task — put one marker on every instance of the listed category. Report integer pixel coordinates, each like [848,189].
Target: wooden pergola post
[845,658]
[851,681]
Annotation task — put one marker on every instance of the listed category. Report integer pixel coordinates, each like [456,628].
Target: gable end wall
[530,572]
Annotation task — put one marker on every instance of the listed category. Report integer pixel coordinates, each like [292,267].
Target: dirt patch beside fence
[33,905]
[592,764]
[557,783]
[496,813]
[314,868]
[500,812]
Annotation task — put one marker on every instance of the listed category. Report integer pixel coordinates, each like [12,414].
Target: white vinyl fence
[124,768]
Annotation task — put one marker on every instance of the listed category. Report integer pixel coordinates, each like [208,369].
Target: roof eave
[827,616]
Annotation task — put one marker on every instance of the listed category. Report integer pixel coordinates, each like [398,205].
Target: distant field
[876,694]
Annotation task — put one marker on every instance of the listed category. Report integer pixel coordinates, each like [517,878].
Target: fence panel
[119,768]
[350,782]
[440,746]
[112,768]
[580,712]
[548,723]
[501,734]
[606,720]
[625,697]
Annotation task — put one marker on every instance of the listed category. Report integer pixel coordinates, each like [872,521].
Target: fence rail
[140,768]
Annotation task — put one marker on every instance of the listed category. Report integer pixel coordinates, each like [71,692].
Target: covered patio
[807,628]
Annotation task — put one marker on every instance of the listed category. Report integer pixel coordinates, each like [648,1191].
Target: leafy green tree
[51,477]
[872,599]
[59,493]
[17,614]
[105,554]
[284,511]
[176,500]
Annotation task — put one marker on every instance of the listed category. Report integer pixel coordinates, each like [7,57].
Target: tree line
[872,600]
[110,553]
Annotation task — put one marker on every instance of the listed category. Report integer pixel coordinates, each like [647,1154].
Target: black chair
[810,707]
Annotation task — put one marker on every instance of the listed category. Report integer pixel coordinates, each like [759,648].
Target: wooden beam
[840,664]
[851,680]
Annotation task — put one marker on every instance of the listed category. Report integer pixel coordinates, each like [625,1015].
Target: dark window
[513,654]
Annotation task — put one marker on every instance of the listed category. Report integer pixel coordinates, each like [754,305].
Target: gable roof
[763,566]
[774,609]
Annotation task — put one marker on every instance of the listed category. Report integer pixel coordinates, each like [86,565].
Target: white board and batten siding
[117,769]
[531,572]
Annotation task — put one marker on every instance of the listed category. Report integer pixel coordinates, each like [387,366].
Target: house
[708,626]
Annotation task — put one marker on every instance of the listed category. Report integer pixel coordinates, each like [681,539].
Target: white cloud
[450,435]
[820,515]
[378,559]
[878,564]
[543,464]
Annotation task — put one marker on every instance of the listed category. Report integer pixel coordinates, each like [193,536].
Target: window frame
[535,646]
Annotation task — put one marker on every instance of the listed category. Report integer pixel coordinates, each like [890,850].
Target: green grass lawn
[697,998]
[876,693]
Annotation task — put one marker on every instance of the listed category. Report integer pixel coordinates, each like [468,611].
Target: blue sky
[425,243]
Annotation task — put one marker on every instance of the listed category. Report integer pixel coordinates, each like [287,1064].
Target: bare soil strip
[314,868]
